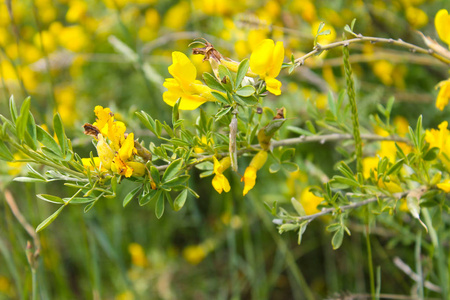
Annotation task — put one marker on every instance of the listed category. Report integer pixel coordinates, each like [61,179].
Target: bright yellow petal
[249,179]
[273,85]
[262,57]
[442,24]
[105,152]
[220,183]
[445,186]
[444,94]
[182,68]
[127,148]
[259,160]
[277,60]
[138,168]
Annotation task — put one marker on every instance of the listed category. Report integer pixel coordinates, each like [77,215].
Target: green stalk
[352,99]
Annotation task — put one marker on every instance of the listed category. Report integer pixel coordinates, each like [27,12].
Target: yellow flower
[310,201]
[444,94]
[87,163]
[184,85]
[123,155]
[416,17]
[249,177]
[220,182]
[194,254]
[442,24]
[138,257]
[440,139]
[266,61]
[445,185]
[105,153]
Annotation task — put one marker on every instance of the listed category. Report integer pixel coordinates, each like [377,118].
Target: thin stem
[298,140]
[369,258]
[319,48]
[352,100]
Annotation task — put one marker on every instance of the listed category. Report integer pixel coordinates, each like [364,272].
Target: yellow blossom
[15,166]
[266,61]
[194,254]
[105,153]
[310,201]
[442,24]
[138,257]
[184,85]
[249,177]
[77,11]
[177,16]
[74,38]
[444,94]
[445,185]
[87,163]
[416,17]
[440,139]
[220,182]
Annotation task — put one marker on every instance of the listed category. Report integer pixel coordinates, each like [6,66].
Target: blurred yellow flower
[442,24]
[220,182]
[184,85]
[177,15]
[266,61]
[65,103]
[77,11]
[15,166]
[249,177]
[443,95]
[441,139]
[74,38]
[310,201]
[444,185]
[416,17]
[194,254]
[138,257]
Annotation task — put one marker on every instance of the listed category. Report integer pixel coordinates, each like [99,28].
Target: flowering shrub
[239,123]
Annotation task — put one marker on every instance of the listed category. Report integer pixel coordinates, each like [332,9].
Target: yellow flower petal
[442,24]
[126,151]
[445,185]
[182,68]
[273,85]
[220,183]
[105,152]
[262,57]
[444,93]
[249,179]
[277,60]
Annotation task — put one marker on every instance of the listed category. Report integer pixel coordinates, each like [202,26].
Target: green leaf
[431,154]
[152,194]
[290,166]
[242,70]
[155,174]
[246,91]
[159,208]
[147,121]
[287,154]
[319,29]
[223,112]
[225,73]
[180,200]
[274,168]
[221,98]
[50,198]
[13,109]
[131,195]
[395,168]
[414,208]
[344,180]
[175,112]
[301,231]
[47,140]
[212,82]
[337,239]
[49,220]
[353,24]
[5,154]
[22,119]
[29,179]
[332,104]
[172,170]
[31,134]
[287,227]
[79,200]
[245,101]
[346,171]
[60,134]
[178,180]
[299,130]
[298,207]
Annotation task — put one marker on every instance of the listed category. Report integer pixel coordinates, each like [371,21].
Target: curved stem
[400,43]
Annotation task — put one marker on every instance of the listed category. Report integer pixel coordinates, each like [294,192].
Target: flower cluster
[116,149]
